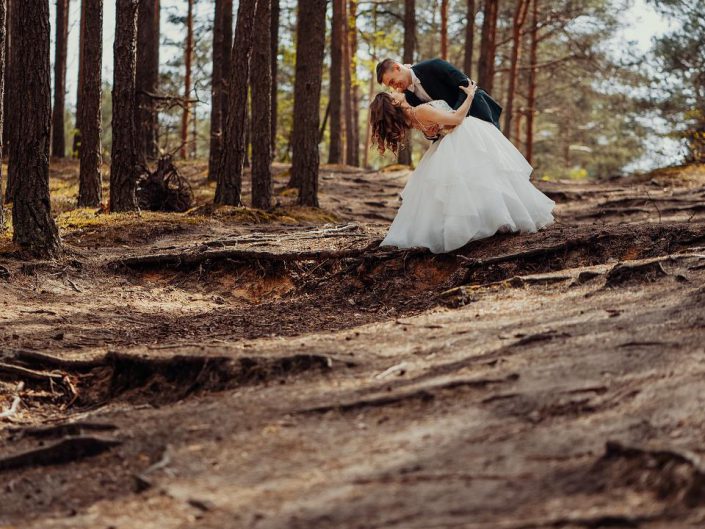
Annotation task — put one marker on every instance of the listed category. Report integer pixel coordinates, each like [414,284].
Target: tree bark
[5,102]
[123,167]
[222,45]
[33,227]
[486,66]
[229,174]
[469,37]
[520,12]
[261,90]
[335,150]
[444,30]
[81,40]
[58,141]
[531,97]
[274,60]
[188,55]
[347,90]
[3,48]
[355,102]
[405,154]
[11,99]
[147,79]
[310,44]
[89,190]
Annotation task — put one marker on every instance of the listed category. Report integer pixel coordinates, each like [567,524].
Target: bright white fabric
[468,185]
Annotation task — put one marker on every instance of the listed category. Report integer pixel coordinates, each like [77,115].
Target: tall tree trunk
[310,44]
[261,95]
[10,97]
[123,167]
[81,40]
[469,37]
[405,154]
[33,227]
[520,12]
[188,55]
[444,30]
[147,79]
[274,61]
[355,101]
[222,46]
[335,151]
[347,91]
[3,48]
[58,141]
[5,98]
[371,92]
[229,175]
[531,97]
[89,191]
[486,67]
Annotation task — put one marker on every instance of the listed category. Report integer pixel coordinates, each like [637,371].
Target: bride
[469,184]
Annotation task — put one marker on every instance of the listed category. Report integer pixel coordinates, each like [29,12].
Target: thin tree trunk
[33,226]
[261,90]
[81,40]
[147,79]
[335,150]
[347,90]
[274,64]
[89,191]
[5,101]
[520,12]
[486,66]
[405,154]
[310,44]
[531,97]
[221,53]
[444,30]
[58,141]
[3,59]
[469,37]
[352,31]
[187,80]
[123,167]
[229,175]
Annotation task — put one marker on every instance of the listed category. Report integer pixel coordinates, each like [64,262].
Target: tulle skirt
[468,185]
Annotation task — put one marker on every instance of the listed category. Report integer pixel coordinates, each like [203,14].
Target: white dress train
[468,185]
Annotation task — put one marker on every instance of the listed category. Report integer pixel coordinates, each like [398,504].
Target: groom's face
[396,78]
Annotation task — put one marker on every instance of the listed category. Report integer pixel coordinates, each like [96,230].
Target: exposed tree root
[65,451]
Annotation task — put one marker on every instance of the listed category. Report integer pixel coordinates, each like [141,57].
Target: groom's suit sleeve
[483,106]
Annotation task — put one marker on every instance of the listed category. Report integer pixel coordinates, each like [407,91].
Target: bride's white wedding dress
[468,185]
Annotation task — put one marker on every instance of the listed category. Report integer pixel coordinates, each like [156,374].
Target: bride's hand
[470,89]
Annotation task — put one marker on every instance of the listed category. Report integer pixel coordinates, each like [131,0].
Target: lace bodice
[434,131]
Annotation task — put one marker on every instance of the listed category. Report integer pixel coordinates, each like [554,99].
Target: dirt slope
[235,369]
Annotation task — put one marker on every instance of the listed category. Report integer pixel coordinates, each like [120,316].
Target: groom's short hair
[383,67]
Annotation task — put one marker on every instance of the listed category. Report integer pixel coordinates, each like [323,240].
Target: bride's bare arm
[430,114]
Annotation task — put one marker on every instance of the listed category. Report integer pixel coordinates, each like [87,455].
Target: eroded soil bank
[231,368]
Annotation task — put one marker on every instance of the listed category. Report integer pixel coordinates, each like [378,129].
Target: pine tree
[229,176]
[124,159]
[335,98]
[147,79]
[310,44]
[89,191]
[222,46]
[58,142]
[33,226]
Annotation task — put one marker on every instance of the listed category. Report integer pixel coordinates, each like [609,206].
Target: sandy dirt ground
[226,368]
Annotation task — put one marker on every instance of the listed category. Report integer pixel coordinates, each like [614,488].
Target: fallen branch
[35,358]
[62,430]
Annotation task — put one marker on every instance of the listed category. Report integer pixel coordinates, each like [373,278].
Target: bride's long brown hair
[388,122]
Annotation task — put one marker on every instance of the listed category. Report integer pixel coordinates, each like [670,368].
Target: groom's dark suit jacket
[441,79]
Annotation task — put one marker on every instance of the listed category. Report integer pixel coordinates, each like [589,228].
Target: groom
[436,79]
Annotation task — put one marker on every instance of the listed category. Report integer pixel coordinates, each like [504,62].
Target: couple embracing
[471,182]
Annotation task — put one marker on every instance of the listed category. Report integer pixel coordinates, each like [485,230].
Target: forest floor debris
[231,367]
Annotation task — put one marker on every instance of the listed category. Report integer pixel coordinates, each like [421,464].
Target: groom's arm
[454,78]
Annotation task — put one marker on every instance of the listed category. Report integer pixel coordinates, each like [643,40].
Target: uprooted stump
[164,189]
